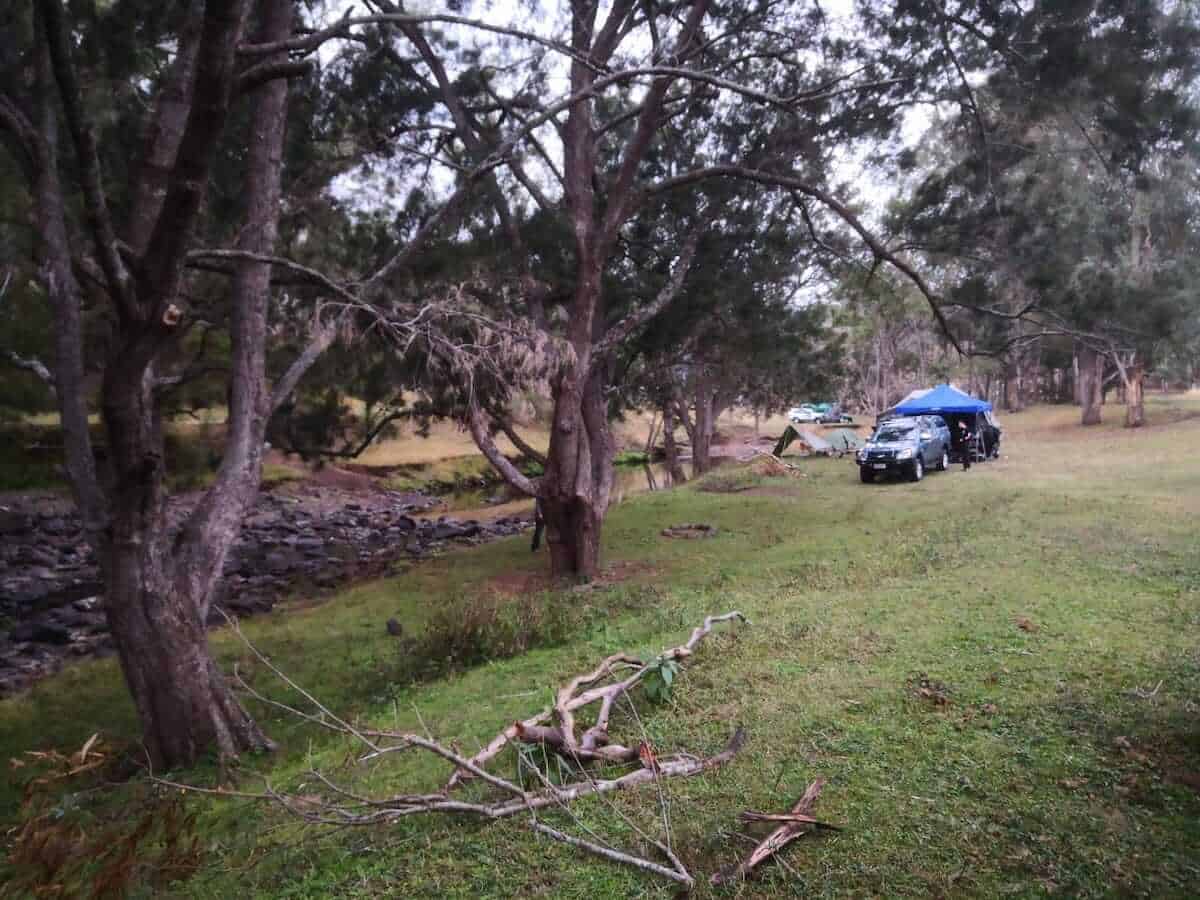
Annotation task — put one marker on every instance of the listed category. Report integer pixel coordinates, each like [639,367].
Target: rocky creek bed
[298,541]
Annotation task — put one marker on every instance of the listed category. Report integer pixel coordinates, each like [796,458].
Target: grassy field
[997,672]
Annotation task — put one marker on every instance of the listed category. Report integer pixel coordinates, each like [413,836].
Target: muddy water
[486,505]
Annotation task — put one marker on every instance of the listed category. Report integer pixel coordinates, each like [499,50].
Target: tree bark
[670,450]
[577,485]
[1089,383]
[182,700]
[1135,395]
[704,399]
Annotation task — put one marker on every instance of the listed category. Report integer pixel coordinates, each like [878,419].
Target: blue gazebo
[956,406]
[944,398]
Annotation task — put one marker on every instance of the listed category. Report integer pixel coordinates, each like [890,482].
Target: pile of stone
[294,543]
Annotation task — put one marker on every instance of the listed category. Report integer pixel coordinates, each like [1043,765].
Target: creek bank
[299,540]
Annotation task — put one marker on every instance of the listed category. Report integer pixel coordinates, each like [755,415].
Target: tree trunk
[1135,396]
[159,585]
[1012,388]
[705,402]
[1090,383]
[674,469]
[574,497]
[182,700]
[577,485]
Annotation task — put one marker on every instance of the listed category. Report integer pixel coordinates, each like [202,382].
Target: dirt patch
[690,530]
[517,583]
[929,690]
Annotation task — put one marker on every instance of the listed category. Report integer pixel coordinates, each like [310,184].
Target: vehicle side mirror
[926,436]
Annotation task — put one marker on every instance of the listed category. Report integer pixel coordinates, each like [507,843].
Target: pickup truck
[905,446]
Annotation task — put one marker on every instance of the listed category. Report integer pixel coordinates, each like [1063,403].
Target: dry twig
[796,824]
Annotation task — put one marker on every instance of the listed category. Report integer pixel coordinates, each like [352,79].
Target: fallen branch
[340,807]
[797,823]
[569,700]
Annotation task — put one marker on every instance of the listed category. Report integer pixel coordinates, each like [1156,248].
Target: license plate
[879,466]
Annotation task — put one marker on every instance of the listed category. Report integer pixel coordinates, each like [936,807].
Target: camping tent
[812,443]
[942,399]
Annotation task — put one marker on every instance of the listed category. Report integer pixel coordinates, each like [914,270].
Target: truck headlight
[906,453]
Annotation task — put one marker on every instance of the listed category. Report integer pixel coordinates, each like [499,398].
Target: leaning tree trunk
[1135,395]
[1090,384]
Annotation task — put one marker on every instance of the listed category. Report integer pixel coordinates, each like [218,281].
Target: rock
[278,561]
[445,530]
[13,522]
[41,633]
[394,628]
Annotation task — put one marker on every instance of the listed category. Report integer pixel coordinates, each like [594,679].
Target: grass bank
[1048,604]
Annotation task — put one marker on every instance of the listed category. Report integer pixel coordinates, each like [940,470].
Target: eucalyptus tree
[1059,212]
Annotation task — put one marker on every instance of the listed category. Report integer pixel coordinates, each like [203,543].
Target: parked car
[905,446]
[803,414]
[835,416]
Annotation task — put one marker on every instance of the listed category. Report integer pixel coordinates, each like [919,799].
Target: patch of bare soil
[511,584]
[689,530]
[330,476]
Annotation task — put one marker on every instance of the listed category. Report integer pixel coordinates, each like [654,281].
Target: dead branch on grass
[797,823]
[338,806]
[595,743]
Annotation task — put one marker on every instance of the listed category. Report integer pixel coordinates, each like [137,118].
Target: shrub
[476,629]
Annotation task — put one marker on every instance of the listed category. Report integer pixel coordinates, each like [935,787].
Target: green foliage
[631,458]
[659,678]
[473,629]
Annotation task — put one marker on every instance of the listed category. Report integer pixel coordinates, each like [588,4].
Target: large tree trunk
[577,485]
[1090,383]
[182,700]
[1135,395]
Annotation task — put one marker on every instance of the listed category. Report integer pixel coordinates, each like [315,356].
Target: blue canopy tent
[942,399]
[956,407]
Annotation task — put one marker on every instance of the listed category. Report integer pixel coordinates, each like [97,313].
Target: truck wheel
[866,476]
[918,469]
[944,462]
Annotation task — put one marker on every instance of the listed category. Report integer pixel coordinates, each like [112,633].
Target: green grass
[1054,767]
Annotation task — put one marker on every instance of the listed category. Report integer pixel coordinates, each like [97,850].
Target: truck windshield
[885,435]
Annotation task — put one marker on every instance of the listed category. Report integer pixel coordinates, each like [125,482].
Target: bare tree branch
[323,335]
[483,439]
[120,283]
[620,332]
